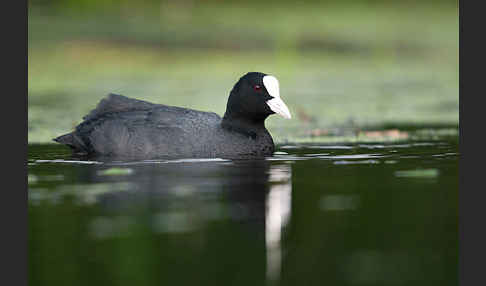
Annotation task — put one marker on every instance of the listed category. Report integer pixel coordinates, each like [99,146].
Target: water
[341,214]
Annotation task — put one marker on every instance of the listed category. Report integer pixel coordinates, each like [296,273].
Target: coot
[124,127]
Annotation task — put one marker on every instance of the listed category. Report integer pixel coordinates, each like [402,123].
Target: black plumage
[126,127]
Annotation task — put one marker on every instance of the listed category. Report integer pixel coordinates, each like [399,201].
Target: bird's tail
[73,141]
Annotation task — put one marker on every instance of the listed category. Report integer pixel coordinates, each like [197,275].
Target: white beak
[276,104]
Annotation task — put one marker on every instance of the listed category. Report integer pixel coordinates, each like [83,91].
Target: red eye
[257,87]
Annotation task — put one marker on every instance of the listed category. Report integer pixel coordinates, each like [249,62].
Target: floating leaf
[31,179]
[116,172]
[419,173]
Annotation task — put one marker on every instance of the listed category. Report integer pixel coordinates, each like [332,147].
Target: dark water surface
[344,214]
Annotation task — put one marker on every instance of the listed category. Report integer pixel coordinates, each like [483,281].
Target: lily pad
[418,173]
[116,172]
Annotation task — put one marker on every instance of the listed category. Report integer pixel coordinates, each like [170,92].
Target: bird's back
[122,126]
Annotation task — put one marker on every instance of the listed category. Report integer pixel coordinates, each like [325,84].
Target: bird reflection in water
[277,213]
[254,194]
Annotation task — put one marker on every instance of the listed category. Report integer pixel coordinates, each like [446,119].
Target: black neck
[239,123]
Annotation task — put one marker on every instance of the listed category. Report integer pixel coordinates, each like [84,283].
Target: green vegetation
[115,172]
[419,173]
[341,67]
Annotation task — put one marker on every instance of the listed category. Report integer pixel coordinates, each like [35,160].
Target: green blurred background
[343,65]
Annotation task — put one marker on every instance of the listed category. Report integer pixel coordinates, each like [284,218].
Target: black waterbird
[124,127]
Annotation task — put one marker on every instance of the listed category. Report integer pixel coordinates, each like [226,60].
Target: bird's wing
[116,103]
